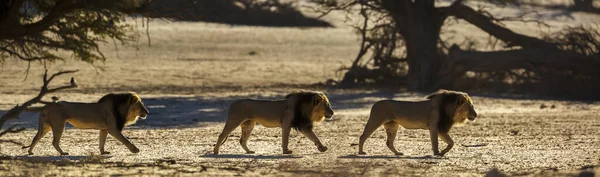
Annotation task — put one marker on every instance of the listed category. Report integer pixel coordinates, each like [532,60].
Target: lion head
[310,107]
[127,107]
[321,108]
[454,107]
[464,109]
[136,109]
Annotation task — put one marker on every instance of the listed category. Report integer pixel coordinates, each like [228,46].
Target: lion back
[116,100]
[303,106]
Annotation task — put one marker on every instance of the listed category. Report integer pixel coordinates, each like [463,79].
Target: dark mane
[117,100]
[448,101]
[301,120]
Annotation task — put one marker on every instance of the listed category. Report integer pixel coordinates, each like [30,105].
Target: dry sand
[193,71]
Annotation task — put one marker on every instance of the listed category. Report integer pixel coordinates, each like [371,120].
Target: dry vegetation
[192,72]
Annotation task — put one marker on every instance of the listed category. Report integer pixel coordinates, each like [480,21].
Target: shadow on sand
[189,112]
[427,157]
[250,156]
[53,158]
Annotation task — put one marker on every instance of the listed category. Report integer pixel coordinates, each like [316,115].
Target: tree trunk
[419,23]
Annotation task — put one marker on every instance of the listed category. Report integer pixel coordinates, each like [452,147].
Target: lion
[299,110]
[438,114]
[110,115]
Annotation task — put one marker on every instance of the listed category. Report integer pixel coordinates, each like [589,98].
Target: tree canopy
[36,30]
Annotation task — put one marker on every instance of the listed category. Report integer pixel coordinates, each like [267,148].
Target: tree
[36,30]
[433,63]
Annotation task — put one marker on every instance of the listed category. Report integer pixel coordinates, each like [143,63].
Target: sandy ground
[193,71]
[512,135]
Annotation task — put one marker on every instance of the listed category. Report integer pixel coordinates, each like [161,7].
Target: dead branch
[18,109]
[13,142]
[487,24]
[12,129]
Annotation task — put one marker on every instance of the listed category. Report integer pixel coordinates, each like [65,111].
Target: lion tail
[40,127]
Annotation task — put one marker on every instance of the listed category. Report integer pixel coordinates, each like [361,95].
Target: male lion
[439,113]
[109,115]
[299,110]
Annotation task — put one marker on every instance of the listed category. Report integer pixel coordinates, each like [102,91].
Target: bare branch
[12,141]
[58,74]
[487,24]
[13,53]
[16,111]
[12,129]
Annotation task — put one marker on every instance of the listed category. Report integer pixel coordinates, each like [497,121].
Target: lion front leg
[119,136]
[446,138]
[313,137]
[434,118]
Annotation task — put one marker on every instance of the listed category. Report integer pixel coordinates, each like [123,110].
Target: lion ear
[317,99]
[462,100]
[133,100]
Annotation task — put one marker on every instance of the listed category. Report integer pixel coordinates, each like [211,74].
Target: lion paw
[287,152]
[322,148]
[362,153]
[104,153]
[399,153]
[30,153]
[249,152]
[64,153]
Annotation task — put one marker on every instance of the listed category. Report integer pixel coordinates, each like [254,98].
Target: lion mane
[448,104]
[304,108]
[121,104]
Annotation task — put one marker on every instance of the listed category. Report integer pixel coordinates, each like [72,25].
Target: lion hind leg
[372,125]
[246,132]
[43,129]
[230,125]
[391,129]
[57,131]
[102,140]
